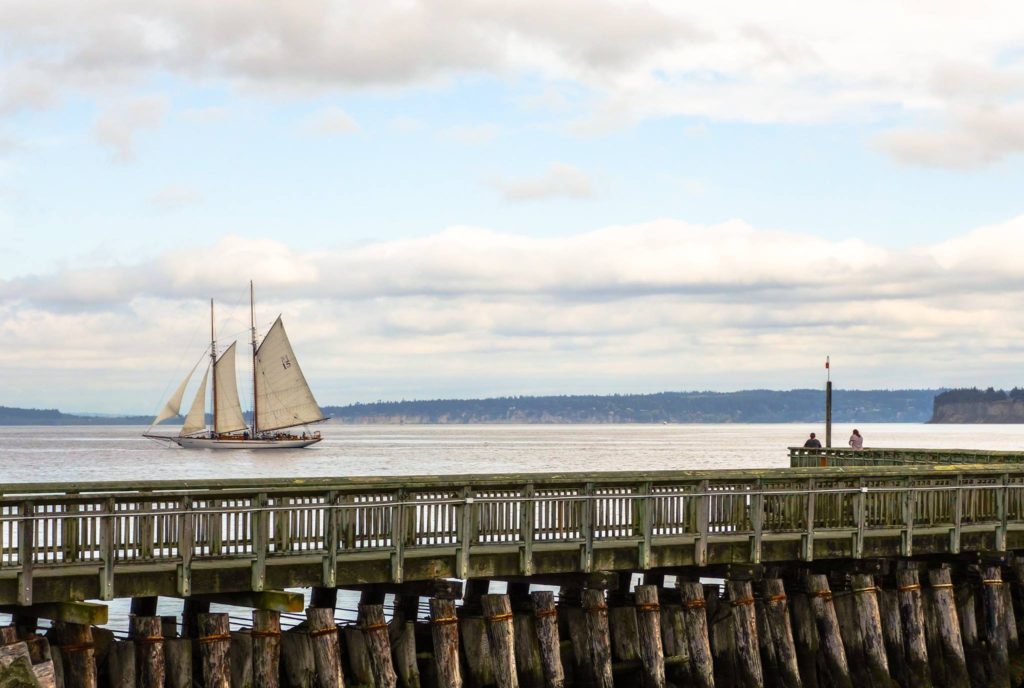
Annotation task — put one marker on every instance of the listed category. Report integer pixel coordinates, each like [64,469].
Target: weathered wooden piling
[240,656]
[911,609]
[266,648]
[529,666]
[944,619]
[497,611]
[323,633]
[648,622]
[378,645]
[402,636]
[546,624]
[892,632]
[178,663]
[445,634]
[214,645]
[77,653]
[829,639]
[995,615]
[595,610]
[966,597]
[744,621]
[780,633]
[121,670]
[869,626]
[695,621]
[146,632]
[298,664]
[1012,637]
[805,637]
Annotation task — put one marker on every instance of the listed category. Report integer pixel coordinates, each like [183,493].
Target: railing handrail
[413,482]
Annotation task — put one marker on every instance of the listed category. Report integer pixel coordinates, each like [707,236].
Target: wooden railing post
[808,536]
[186,543]
[398,536]
[861,505]
[587,526]
[26,552]
[1001,499]
[756,521]
[464,539]
[909,504]
[332,516]
[703,504]
[958,509]
[645,523]
[258,573]
[527,511]
[108,549]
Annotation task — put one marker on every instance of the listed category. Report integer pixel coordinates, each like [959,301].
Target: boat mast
[252,326]
[213,364]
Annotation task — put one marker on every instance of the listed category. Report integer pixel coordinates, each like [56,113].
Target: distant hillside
[751,406]
[979,406]
[19,416]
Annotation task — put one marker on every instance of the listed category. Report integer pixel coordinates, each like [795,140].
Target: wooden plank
[87,613]
[270,600]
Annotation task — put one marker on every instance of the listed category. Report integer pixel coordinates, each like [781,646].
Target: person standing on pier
[812,442]
[856,441]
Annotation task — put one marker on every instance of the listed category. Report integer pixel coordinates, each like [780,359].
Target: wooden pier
[900,574]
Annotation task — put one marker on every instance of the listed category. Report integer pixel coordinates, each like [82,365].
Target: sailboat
[281,399]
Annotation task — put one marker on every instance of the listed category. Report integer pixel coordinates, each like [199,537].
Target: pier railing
[844,456]
[105,540]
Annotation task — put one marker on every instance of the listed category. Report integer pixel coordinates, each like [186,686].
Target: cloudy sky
[469,197]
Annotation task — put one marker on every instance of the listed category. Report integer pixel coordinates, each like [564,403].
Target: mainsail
[229,409]
[173,405]
[283,397]
[195,421]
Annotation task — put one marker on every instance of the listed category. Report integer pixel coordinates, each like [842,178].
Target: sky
[478,198]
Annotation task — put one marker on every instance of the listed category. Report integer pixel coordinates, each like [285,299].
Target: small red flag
[826,363]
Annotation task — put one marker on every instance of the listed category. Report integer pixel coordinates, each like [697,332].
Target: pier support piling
[911,607]
[444,629]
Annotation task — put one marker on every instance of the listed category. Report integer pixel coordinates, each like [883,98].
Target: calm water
[36,454]
[33,454]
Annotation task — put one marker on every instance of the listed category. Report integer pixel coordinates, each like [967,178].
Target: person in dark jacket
[812,442]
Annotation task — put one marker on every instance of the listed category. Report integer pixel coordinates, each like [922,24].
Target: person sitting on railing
[812,442]
[856,441]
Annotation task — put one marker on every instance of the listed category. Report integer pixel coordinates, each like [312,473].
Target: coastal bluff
[988,406]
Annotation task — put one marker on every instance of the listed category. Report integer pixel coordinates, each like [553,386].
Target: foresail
[195,421]
[283,397]
[229,409]
[173,405]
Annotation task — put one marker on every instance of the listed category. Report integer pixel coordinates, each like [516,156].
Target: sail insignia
[283,397]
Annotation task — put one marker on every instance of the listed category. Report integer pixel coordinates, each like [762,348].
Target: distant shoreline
[747,407]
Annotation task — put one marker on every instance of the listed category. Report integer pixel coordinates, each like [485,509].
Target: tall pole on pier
[828,403]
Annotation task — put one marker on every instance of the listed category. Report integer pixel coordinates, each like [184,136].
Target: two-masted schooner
[281,398]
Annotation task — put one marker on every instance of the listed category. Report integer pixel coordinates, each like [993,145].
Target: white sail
[173,405]
[229,409]
[283,398]
[196,418]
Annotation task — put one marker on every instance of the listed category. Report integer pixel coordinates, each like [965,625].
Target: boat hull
[211,443]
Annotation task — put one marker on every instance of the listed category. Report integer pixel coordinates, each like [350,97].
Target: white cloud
[174,197]
[329,121]
[659,305]
[975,137]
[739,61]
[560,181]
[116,126]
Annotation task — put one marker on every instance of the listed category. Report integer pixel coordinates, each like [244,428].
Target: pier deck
[65,542]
